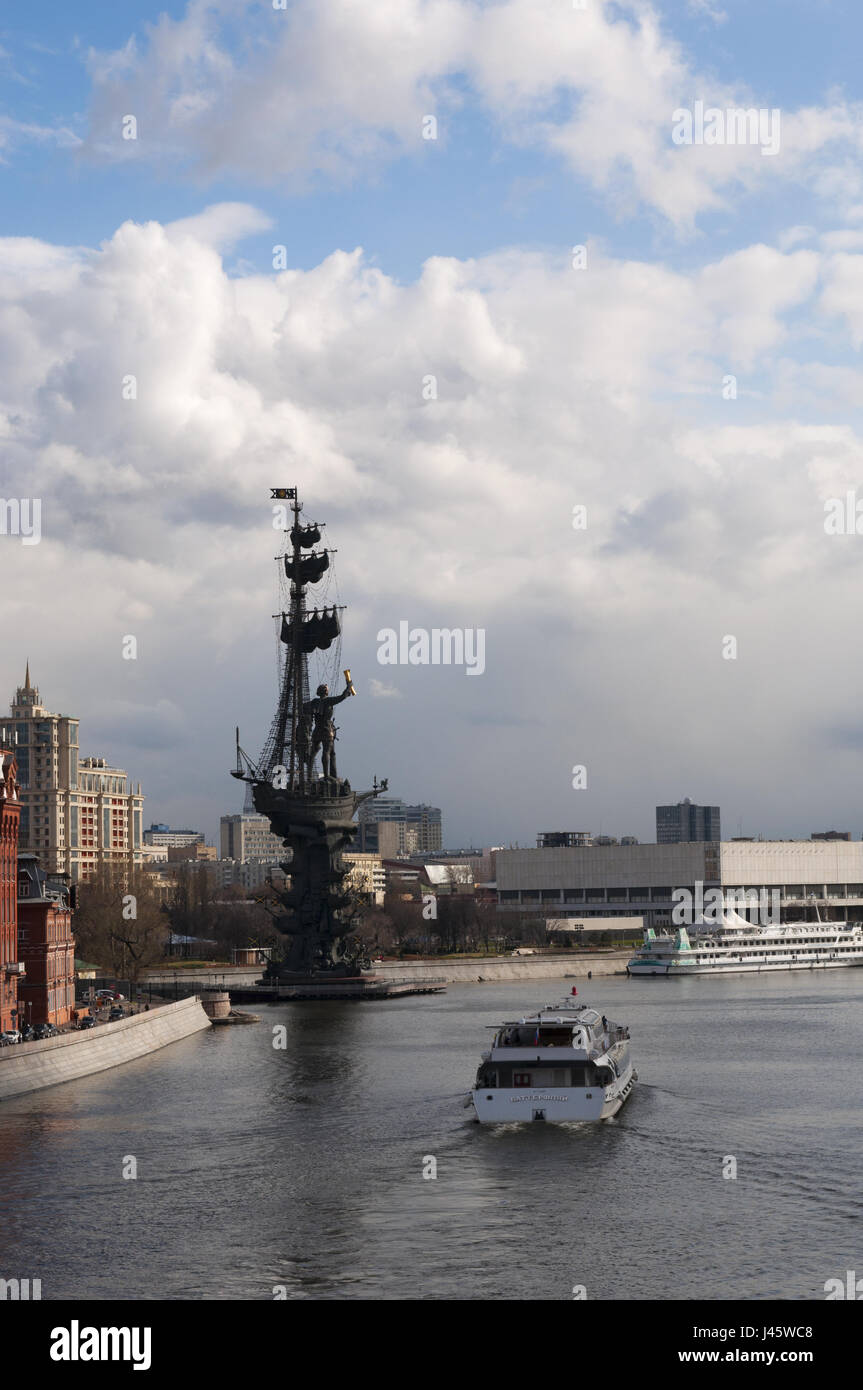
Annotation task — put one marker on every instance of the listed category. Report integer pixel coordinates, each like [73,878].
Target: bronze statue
[313,819]
[324,732]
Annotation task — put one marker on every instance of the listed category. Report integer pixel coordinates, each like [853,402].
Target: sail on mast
[300,634]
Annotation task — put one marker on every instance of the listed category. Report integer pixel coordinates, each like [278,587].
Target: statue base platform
[326,986]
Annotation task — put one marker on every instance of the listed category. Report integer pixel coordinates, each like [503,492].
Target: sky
[545,368]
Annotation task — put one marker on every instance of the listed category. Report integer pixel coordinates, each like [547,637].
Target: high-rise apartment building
[686,823]
[420,827]
[248,836]
[423,834]
[76,814]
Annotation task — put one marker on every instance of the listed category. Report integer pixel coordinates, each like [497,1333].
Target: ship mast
[297,655]
[286,746]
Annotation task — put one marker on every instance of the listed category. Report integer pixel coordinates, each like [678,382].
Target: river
[298,1172]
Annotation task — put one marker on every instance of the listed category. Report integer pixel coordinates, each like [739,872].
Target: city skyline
[208,821]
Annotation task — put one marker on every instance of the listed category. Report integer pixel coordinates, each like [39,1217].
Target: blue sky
[470,193]
[303,128]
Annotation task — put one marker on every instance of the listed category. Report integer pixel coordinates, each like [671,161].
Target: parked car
[44,1030]
[10,1036]
[87,1022]
[27,1033]
[105,994]
[115,1014]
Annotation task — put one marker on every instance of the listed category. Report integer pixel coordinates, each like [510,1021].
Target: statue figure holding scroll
[324,730]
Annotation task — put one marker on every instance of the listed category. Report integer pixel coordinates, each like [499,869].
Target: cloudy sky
[323,207]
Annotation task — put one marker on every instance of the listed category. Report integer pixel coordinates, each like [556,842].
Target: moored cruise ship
[732,946]
[565,1062]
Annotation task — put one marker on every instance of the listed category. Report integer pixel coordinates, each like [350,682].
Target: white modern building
[638,880]
[366,874]
[163,837]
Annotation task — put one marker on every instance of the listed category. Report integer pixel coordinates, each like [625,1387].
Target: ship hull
[556,1105]
[677,970]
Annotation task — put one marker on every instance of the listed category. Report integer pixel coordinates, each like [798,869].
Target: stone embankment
[570,965]
[31,1066]
[501,968]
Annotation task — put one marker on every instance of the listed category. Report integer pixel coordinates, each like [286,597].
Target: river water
[262,1169]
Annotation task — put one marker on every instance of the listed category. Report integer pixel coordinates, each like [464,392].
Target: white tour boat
[565,1062]
[732,945]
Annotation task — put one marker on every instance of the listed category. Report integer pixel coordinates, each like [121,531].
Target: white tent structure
[715,921]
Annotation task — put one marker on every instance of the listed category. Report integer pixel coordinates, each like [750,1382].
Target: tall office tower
[423,830]
[422,827]
[686,823]
[75,814]
[248,836]
[382,808]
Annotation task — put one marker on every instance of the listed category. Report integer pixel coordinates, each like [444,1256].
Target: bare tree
[119,922]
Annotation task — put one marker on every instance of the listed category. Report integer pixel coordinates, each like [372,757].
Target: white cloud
[329,88]
[380,691]
[554,387]
[220,226]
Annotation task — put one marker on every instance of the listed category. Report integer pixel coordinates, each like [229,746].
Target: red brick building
[46,947]
[10,813]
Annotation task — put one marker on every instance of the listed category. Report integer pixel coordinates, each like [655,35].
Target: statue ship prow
[295,783]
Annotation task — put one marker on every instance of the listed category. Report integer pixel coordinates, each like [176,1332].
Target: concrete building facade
[248,836]
[638,880]
[162,836]
[420,827]
[366,874]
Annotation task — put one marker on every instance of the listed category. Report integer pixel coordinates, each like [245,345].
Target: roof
[448,873]
[728,921]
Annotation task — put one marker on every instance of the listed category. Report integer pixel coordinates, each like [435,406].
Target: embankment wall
[31,1066]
